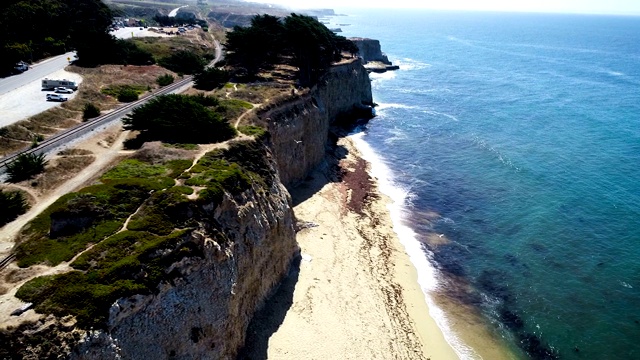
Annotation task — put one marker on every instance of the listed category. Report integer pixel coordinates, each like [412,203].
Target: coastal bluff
[370,52]
[217,273]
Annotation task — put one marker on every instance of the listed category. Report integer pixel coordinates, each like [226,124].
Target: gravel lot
[30,100]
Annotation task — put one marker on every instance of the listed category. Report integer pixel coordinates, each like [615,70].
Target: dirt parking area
[30,99]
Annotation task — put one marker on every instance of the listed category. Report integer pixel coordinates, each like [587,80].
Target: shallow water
[521,133]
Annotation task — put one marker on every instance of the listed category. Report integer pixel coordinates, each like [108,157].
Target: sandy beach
[353,294]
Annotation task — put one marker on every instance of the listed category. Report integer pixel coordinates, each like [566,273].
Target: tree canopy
[34,29]
[298,39]
[180,118]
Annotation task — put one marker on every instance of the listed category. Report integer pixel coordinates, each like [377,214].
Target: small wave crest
[420,257]
[410,64]
[396,134]
[382,106]
[495,152]
[437,113]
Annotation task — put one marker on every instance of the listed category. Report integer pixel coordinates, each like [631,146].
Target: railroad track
[6,261]
[82,129]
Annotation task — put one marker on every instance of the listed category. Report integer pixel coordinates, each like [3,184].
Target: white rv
[50,84]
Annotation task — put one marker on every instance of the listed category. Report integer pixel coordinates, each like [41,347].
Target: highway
[35,72]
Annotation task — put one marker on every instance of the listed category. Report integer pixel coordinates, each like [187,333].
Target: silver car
[56,97]
[63,90]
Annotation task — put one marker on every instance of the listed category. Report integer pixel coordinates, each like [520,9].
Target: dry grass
[58,171]
[75,152]
[21,134]
[156,153]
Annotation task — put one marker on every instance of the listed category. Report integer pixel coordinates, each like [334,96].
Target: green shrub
[177,167]
[231,109]
[13,204]
[181,146]
[128,95]
[183,61]
[163,212]
[26,166]
[127,263]
[252,130]
[132,168]
[164,80]
[90,111]
[125,93]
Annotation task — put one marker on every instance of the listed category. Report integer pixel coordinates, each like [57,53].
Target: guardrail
[77,131]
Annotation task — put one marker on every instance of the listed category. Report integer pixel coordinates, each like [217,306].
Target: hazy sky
[629,7]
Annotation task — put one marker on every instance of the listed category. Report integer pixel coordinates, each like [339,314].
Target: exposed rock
[299,127]
[369,50]
[375,60]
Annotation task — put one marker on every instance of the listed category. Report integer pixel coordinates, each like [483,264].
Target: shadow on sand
[268,319]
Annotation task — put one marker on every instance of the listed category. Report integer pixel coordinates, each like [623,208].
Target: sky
[622,7]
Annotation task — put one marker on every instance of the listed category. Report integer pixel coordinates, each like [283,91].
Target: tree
[179,118]
[312,45]
[13,204]
[210,79]
[257,47]
[26,166]
[300,39]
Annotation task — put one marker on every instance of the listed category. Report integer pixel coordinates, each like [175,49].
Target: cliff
[199,252]
[371,53]
[369,50]
[299,125]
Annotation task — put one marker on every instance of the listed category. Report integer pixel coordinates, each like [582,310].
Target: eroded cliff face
[244,245]
[248,244]
[218,274]
[299,127]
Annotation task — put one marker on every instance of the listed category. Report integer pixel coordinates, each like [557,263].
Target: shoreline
[355,294]
[463,327]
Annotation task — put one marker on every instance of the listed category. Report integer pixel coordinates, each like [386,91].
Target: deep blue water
[522,131]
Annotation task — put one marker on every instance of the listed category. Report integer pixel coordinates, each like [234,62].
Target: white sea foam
[410,64]
[421,259]
[397,134]
[382,106]
[375,77]
[436,113]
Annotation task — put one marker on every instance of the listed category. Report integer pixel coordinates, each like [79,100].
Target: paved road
[174,12]
[36,72]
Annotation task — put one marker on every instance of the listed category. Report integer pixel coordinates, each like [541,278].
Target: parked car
[63,90]
[56,97]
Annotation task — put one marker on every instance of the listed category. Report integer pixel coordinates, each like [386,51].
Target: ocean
[510,144]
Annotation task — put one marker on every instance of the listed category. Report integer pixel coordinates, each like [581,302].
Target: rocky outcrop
[299,125]
[369,50]
[374,59]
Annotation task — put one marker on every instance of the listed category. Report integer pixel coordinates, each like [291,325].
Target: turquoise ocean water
[522,133]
